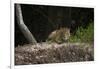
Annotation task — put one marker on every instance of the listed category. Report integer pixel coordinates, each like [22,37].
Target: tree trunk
[28,35]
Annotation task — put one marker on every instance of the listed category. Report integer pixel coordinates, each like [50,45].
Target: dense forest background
[43,19]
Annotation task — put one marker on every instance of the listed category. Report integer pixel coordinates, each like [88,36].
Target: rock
[53,53]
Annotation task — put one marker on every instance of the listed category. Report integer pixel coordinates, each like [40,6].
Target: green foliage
[83,34]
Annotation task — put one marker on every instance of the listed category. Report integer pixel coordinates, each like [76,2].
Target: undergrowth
[83,34]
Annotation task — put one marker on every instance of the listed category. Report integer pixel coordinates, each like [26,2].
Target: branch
[28,35]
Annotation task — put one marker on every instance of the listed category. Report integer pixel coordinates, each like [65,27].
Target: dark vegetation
[42,21]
